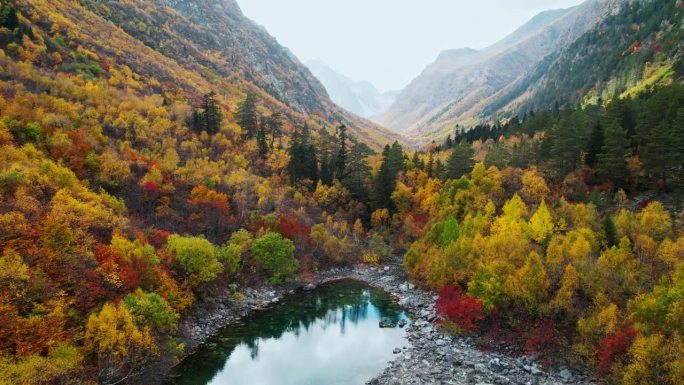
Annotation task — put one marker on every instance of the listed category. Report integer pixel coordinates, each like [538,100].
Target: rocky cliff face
[457,86]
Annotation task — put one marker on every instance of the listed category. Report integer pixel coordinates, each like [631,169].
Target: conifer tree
[430,168]
[612,162]
[460,161]
[662,157]
[386,179]
[594,146]
[246,116]
[415,161]
[609,232]
[211,113]
[342,153]
[439,169]
[275,127]
[262,142]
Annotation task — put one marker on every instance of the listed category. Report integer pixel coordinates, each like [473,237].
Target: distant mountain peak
[456,53]
[359,97]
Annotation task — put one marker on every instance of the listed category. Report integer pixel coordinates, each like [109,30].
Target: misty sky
[389,42]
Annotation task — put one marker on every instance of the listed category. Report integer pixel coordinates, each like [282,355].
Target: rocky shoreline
[430,357]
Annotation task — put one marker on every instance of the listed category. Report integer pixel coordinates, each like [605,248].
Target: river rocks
[566,375]
[309,287]
[387,323]
[402,323]
[434,357]
[396,351]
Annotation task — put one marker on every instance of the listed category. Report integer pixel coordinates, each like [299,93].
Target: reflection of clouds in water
[319,354]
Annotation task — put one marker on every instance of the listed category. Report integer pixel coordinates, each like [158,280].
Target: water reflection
[327,336]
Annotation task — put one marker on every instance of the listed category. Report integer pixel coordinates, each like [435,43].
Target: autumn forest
[137,183]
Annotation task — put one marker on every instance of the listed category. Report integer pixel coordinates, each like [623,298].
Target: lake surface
[330,336]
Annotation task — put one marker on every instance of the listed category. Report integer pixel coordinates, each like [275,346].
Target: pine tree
[415,161]
[275,127]
[594,146]
[342,153]
[662,157]
[612,161]
[327,169]
[609,232]
[197,121]
[294,165]
[309,156]
[262,142]
[211,113]
[8,17]
[385,180]
[449,143]
[460,161]
[430,168]
[358,172]
[246,116]
[439,169]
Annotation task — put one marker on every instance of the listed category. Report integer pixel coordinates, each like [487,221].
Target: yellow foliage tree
[121,349]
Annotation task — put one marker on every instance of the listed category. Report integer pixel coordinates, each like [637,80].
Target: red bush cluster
[290,227]
[613,346]
[543,338]
[458,308]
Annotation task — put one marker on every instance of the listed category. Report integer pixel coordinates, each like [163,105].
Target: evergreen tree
[342,153]
[439,169]
[358,172]
[386,179]
[211,113]
[449,143]
[262,142]
[678,140]
[294,165]
[415,161]
[246,116]
[612,162]
[275,127]
[460,161]
[594,146]
[610,232]
[197,121]
[8,17]
[565,142]
[327,169]
[662,157]
[309,160]
[430,168]
[208,117]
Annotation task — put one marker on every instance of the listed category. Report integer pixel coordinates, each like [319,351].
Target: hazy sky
[389,42]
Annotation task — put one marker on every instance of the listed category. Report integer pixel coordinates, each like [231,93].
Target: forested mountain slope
[148,158]
[188,48]
[633,50]
[454,88]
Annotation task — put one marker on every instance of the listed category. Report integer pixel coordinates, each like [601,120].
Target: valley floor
[431,357]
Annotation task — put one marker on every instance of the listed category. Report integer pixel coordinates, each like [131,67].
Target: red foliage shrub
[499,338]
[151,187]
[158,238]
[290,227]
[459,308]
[90,292]
[544,338]
[613,346]
[112,262]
